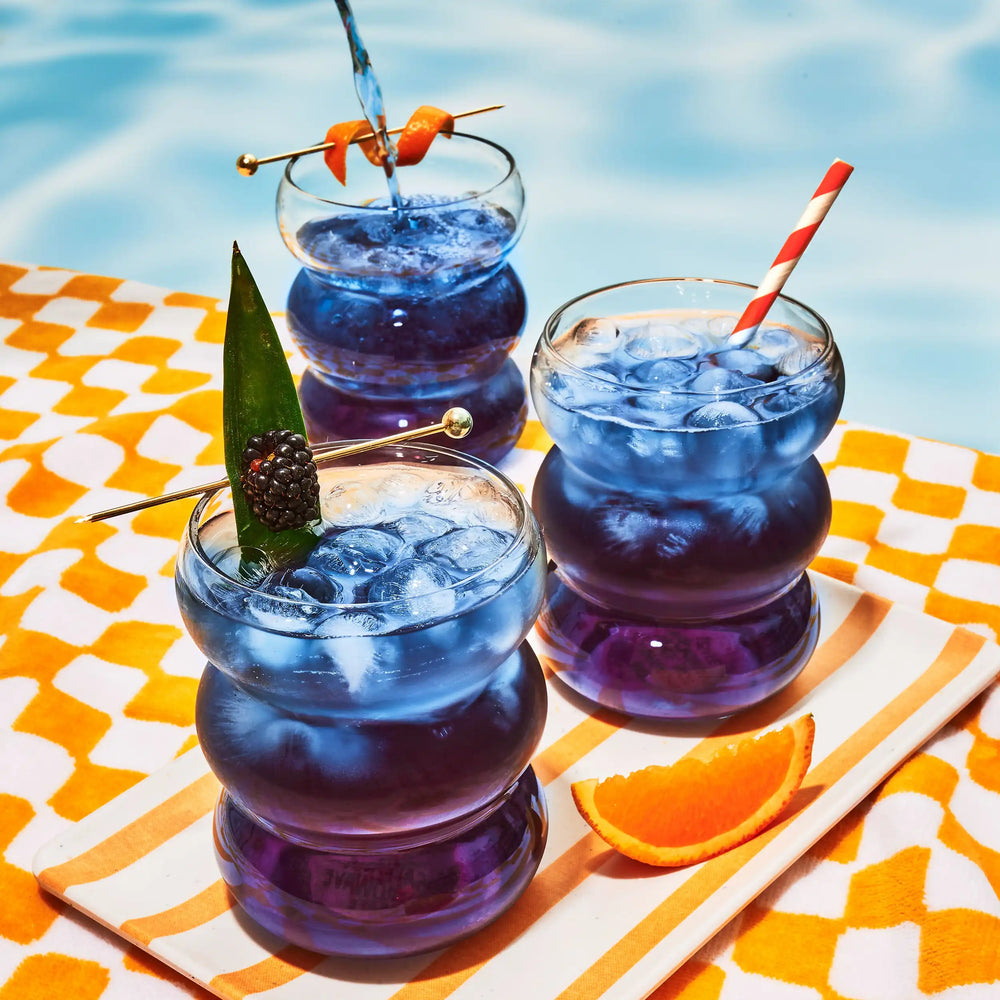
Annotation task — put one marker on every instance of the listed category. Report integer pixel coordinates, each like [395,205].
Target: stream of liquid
[370,95]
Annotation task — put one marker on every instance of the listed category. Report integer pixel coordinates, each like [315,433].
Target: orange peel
[697,808]
[342,135]
[420,131]
[417,135]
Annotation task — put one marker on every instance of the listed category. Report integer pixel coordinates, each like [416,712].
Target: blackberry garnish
[279,480]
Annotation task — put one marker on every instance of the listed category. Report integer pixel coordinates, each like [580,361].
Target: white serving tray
[592,923]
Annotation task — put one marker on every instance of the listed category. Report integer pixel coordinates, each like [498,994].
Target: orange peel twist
[342,135]
[419,132]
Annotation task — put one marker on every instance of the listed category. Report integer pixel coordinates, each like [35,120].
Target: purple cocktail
[371,709]
[682,502]
[403,311]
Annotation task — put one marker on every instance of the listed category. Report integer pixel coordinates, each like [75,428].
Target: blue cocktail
[682,501]
[403,311]
[371,709]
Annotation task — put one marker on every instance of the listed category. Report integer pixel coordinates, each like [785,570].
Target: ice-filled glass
[372,709]
[402,313]
[682,502]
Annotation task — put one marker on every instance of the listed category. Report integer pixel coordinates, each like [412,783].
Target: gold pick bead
[247,164]
[457,422]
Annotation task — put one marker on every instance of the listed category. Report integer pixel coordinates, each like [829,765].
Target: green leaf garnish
[258,395]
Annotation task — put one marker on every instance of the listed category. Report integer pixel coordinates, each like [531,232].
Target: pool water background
[654,139]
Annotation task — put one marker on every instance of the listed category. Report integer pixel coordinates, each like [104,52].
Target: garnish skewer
[456,423]
[247,163]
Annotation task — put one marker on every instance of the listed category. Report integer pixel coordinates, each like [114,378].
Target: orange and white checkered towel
[110,389]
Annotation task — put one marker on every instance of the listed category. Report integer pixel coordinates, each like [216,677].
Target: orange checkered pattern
[109,390]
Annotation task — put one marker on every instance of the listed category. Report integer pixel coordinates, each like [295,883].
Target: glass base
[363,901]
[680,670]
[497,406]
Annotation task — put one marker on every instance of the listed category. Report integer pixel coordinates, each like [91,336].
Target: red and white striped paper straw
[769,289]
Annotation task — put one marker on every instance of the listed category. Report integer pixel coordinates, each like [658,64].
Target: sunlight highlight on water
[654,139]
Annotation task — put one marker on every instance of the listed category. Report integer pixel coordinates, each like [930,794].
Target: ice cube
[625,529]
[672,445]
[595,336]
[607,372]
[656,409]
[417,528]
[746,514]
[810,390]
[459,495]
[720,380]
[588,429]
[244,563]
[243,718]
[303,584]
[420,587]
[777,404]
[798,359]
[467,550]
[349,504]
[670,532]
[273,643]
[720,327]
[578,392]
[351,646]
[795,435]
[465,499]
[748,363]
[269,611]
[350,624]
[652,342]
[678,531]
[665,373]
[643,442]
[355,552]
[773,342]
[292,742]
[402,490]
[722,413]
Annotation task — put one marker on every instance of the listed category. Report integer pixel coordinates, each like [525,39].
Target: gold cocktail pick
[247,164]
[456,423]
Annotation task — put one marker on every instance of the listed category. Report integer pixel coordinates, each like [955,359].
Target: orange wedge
[420,131]
[697,808]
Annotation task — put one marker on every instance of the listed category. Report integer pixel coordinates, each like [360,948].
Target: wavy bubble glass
[681,503]
[378,798]
[402,314]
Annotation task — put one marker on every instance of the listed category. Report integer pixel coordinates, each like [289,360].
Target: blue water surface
[654,139]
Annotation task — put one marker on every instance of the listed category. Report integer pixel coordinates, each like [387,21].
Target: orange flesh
[694,800]
[697,808]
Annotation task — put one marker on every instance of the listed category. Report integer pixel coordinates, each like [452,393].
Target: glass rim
[522,510]
[437,206]
[548,330]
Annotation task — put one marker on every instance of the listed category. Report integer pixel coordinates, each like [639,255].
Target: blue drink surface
[666,400]
[431,245]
